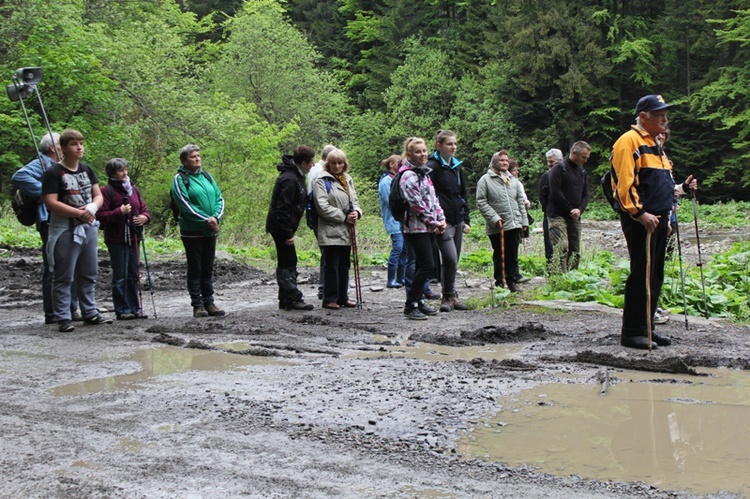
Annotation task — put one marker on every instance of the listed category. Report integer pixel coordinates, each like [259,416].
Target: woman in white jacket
[338,210]
[500,199]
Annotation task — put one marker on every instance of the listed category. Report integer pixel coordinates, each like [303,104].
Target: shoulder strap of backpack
[107,192]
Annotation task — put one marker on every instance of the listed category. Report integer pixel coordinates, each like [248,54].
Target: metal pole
[355,260]
[682,273]
[148,274]
[700,258]
[46,121]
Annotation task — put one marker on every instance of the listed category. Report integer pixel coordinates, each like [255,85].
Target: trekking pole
[355,259]
[700,258]
[649,316]
[126,254]
[134,245]
[682,273]
[148,273]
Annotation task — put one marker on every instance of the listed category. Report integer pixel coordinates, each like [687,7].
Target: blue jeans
[398,254]
[125,287]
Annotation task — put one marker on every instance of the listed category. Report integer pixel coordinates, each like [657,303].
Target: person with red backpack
[122,217]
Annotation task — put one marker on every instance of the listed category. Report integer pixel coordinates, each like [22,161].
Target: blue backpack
[311,213]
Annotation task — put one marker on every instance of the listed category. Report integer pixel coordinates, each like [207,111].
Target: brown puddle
[427,351]
[161,361]
[680,432]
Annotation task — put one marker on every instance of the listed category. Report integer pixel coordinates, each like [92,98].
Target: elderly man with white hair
[553,156]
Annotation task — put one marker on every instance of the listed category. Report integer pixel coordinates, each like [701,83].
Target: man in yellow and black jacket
[643,186]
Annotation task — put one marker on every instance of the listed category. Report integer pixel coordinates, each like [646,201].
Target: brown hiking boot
[446,304]
[213,310]
[458,304]
[199,312]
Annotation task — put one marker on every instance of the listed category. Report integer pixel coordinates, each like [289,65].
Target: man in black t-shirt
[70,189]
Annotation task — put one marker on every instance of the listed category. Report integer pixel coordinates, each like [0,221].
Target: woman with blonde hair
[423,219]
[338,210]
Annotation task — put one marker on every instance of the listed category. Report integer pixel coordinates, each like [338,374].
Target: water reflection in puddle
[427,351]
[681,433]
[161,361]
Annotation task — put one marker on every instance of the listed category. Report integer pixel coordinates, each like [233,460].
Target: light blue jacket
[28,180]
[384,193]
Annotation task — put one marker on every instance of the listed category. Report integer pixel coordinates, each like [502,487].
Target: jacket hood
[287,164]
[455,162]
[406,165]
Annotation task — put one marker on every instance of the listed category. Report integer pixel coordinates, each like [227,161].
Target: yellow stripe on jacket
[642,180]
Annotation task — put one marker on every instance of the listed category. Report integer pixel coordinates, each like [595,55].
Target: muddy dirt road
[265,403]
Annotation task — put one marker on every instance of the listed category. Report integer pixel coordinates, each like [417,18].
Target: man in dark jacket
[568,199]
[552,156]
[288,203]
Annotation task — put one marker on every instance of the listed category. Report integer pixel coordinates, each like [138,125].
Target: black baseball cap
[651,103]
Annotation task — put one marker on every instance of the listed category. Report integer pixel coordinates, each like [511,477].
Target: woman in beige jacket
[338,211]
[500,200]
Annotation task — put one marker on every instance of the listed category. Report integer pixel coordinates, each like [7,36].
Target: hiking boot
[446,304]
[301,305]
[523,279]
[331,305]
[50,320]
[425,309]
[214,311]
[76,317]
[512,287]
[199,312]
[394,284]
[65,326]
[662,341]
[411,311]
[125,317]
[97,320]
[458,304]
[431,295]
[639,342]
[140,315]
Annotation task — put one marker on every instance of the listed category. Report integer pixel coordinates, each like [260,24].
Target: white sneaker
[661,316]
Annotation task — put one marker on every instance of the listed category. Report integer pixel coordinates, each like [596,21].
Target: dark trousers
[47,278]
[125,288]
[411,268]
[286,271]
[422,244]
[512,240]
[635,317]
[336,273]
[200,253]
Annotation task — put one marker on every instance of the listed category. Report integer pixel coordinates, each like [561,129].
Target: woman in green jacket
[201,207]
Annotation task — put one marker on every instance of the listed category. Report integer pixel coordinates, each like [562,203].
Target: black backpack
[606,182]
[396,202]
[25,207]
[311,212]
[185,180]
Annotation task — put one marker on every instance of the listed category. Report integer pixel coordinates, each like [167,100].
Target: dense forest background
[247,81]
